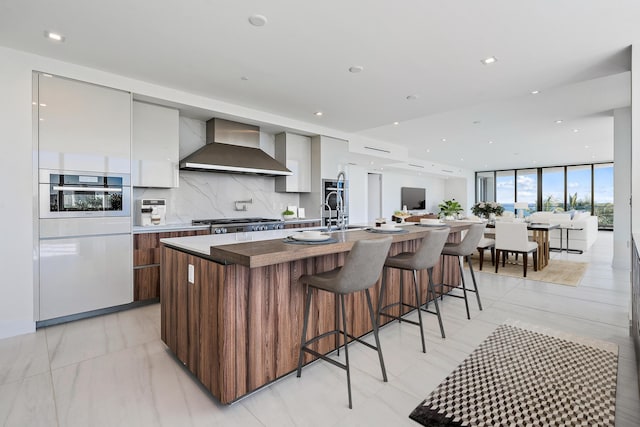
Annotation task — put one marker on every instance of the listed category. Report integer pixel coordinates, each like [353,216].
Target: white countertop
[202,244]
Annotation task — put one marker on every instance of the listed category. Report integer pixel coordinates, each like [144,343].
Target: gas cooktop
[232,221]
[239,225]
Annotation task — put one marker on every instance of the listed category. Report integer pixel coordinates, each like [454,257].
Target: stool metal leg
[383,285]
[418,300]
[475,284]
[401,296]
[464,287]
[374,323]
[337,322]
[346,347]
[307,306]
[435,300]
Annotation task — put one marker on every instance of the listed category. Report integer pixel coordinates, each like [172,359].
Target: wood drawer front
[146,283]
[146,246]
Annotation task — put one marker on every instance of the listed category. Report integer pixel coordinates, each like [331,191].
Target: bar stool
[465,249]
[425,258]
[361,270]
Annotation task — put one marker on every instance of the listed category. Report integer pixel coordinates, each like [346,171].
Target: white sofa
[583,232]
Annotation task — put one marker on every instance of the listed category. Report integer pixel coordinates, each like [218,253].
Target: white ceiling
[575,52]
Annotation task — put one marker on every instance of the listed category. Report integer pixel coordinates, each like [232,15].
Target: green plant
[288,212]
[450,207]
[486,208]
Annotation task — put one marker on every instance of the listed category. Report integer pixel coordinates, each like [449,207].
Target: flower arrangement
[487,208]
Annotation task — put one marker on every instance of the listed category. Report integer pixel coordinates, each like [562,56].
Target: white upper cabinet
[82,126]
[294,151]
[155,146]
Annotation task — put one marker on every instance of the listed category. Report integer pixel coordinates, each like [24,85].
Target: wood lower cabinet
[146,261]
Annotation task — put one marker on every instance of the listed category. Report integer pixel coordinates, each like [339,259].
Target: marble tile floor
[113,370]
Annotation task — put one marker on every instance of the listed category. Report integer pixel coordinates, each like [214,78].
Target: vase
[492,217]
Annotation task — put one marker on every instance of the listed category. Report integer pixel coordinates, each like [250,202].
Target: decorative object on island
[287,214]
[485,209]
[450,208]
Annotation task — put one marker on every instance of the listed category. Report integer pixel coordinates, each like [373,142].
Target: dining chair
[484,244]
[513,237]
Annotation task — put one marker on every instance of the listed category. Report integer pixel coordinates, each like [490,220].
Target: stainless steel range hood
[233,148]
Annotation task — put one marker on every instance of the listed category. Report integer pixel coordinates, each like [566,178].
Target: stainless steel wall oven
[65,194]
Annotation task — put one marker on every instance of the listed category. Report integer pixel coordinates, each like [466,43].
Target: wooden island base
[238,328]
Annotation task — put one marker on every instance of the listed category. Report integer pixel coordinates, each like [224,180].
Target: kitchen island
[232,312]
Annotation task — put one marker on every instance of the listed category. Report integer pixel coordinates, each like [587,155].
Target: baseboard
[12,328]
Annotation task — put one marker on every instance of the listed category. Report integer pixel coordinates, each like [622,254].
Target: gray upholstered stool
[425,258]
[361,271]
[465,249]
[483,245]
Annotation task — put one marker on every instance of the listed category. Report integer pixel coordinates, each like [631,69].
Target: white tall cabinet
[294,151]
[155,146]
[82,126]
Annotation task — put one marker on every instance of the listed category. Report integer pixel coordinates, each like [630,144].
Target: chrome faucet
[322,212]
[340,223]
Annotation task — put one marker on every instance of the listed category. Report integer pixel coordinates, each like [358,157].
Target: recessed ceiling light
[489,60]
[428,150]
[412,97]
[318,113]
[586,146]
[444,140]
[43,104]
[490,142]
[462,160]
[396,123]
[34,103]
[575,130]
[371,162]
[356,69]
[558,122]
[54,36]
[258,20]
[535,92]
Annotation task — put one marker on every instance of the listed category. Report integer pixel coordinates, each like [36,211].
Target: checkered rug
[527,375]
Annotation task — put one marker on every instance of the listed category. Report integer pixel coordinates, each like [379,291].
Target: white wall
[393,181]
[16,203]
[457,188]
[622,188]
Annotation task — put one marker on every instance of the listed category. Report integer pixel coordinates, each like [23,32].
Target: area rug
[527,375]
[557,271]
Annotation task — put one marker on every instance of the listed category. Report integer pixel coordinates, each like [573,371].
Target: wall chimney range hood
[233,148]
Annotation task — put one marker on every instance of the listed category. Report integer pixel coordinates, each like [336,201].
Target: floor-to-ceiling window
[485,185]
[505,189]
[559,188]
[527,188]
[552,189]
[603,194]
[579,188]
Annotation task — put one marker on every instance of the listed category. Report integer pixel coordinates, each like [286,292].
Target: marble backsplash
[213,195]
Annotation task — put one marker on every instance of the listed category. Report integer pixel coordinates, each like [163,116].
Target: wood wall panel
[238,329]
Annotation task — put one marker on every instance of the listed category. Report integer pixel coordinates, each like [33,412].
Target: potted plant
[487,209]
[288,214]
[450,208]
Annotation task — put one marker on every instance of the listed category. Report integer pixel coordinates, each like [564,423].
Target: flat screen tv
[413,198]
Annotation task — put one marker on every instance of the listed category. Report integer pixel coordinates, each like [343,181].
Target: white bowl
[388,227]
[430,221]
[311,233]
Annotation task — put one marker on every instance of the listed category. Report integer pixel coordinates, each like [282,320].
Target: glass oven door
[84,195]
